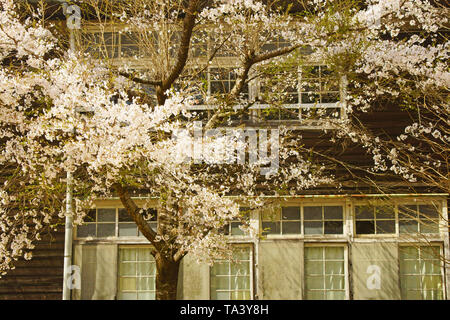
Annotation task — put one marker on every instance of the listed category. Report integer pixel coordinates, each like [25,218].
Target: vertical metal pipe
[68,238]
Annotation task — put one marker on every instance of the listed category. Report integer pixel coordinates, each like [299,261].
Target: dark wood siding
[40,278]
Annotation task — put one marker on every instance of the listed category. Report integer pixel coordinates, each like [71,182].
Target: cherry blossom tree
[71,111]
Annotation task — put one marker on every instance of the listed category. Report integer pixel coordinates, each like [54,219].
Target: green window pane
[221,268]
[127,269]
[127,284]
[314,267]
[144,254]
[428,212]
[146,283]
[146,296]
[128,254]
[240,268]
[409,266]
[240,283]
[409,253]
[335,295]
[314,283]
[220,295]
[429,226]
[430,266]
[315,295]
[334,267]
[334,253]
[240,295]
[411,282]
[334,282]
[127,296]
[235,230]
[220,283]
[314,253]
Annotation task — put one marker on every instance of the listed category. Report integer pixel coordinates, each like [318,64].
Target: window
[375,219]
[418,218]
[316,220]
[233,228]
[325,273]
[232,279]
[284,221]
[103,223]
[323,219]
[137,272]
[420,273]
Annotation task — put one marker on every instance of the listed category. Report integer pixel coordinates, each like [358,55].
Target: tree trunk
[166,278]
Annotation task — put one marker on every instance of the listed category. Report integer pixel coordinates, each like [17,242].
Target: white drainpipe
[68,239]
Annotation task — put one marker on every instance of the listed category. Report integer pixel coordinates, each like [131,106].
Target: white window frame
[441,264]
[346,268]
[252,266]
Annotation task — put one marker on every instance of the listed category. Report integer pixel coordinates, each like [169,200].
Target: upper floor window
[415,218]
[316,220]
[113,222]
[375,219]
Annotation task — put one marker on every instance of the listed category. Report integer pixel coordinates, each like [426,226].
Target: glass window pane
[220,282]
[91,216]
[240,268]
[127,269]
[240,283]
[365,227]
[315,283]
[428,211]
[385,212]
[291,227]
[408,226]
[334,282]
[124,216]
[106,215]
[127,284]
[364,212]
[146,283]
[314,267]
[271,227]
[235,230]
[146,295]
[334,253]
[407,211]
[385,226]
[128,230]
[128,254]
[106,230]
[333,227]
[334,267]
[335,295]
[87,230]
[315,295]
[290,213]
[409,252]
[144,254]
[333,212]
[312,213]
[220,295]
[314,253]
[127,296]
[313,227]
[410,266]
[429,226]
[221,268]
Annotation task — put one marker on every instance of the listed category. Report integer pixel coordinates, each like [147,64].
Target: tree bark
[166,278]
